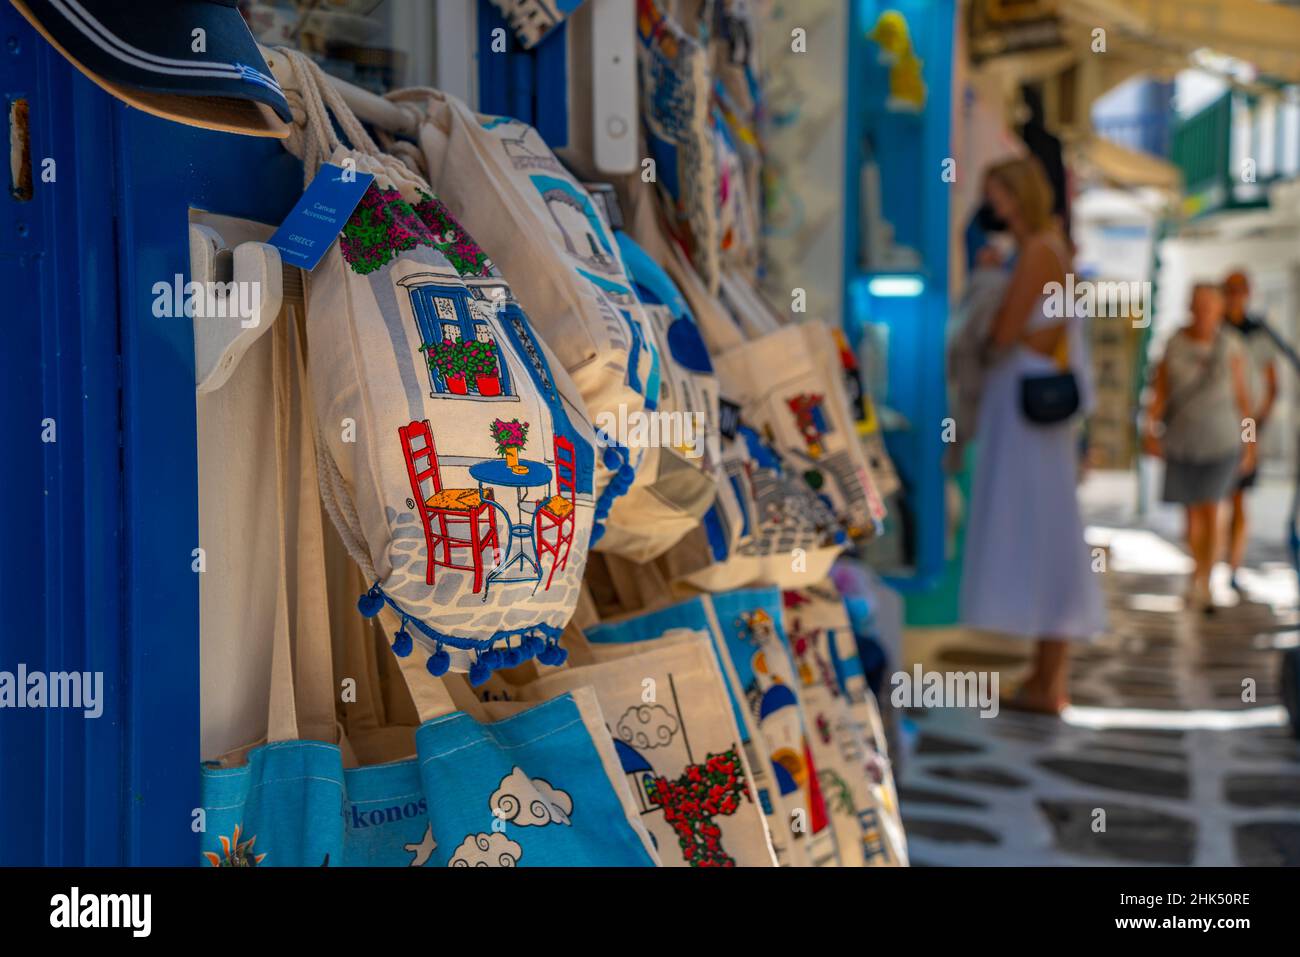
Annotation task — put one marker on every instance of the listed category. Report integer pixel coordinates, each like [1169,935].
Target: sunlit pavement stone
[1164,758]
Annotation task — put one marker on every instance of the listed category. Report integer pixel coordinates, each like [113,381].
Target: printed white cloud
[647,726]
[529,802]
[486,850]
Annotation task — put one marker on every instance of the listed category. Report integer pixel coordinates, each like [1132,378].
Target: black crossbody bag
[1052,398]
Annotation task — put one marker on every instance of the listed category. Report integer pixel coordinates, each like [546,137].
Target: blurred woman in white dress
[1027,572]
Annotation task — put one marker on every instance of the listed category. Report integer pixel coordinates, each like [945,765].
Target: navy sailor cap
[151,47]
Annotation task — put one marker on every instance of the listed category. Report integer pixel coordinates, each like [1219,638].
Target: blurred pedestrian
[1026,570]
[1194,422]
[1261,383]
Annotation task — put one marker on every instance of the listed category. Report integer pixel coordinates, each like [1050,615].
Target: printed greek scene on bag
[579,231]
[751,624]
[843,648]
[664,706]
[690,618]
[526,790]
[808,418]
[787,514]
[851,772]
[674,84]
[487,458]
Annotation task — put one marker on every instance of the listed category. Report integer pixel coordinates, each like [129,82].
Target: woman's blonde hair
[1023,178]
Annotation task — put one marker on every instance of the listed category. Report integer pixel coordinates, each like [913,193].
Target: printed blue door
[442,313]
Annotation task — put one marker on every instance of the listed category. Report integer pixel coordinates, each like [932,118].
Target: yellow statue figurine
[906,87]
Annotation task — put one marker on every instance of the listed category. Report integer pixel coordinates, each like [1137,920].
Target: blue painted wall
[910,150]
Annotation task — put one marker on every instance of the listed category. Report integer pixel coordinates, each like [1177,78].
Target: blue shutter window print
[463,344]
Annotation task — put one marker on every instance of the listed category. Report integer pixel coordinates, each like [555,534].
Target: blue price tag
[319,215]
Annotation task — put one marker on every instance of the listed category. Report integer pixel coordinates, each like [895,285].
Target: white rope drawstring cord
[311,138]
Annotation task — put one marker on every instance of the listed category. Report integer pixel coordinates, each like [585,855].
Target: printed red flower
[703,792]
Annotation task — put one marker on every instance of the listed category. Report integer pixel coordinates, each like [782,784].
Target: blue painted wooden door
[98,480]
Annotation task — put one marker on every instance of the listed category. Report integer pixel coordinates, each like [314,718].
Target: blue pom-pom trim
[479,672]
[371,603]
[491,654]
[618,461]
[439,663]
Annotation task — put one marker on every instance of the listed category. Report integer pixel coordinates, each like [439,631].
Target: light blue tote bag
[530,790]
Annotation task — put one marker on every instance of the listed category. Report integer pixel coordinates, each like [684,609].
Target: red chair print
[442,509]
[558,511]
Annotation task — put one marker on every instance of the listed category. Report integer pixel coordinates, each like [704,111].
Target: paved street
[1159,738]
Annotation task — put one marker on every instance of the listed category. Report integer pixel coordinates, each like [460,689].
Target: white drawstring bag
[553,241]
[456,459]
[785,533]
[652,518]
[789,385]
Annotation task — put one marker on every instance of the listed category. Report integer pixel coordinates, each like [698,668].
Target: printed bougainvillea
[383,225]
[446,357]
[690,803]
[480,357]
[509,435]
[450,238]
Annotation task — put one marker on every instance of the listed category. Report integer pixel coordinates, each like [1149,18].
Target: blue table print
[496,472]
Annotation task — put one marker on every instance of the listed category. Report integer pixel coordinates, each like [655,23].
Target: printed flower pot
[487,384]
[512,460]
[456,385]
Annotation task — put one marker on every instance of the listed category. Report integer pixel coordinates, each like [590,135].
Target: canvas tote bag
[666,707]
[766,524]
[501,180]
[500,699]
[675,86]
[282,801]
[784,801]
[456,459]
[844,645]
[786,533]
[753,644]
[532,789]
[854,774]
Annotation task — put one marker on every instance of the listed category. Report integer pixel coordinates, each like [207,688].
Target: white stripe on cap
[115,46]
